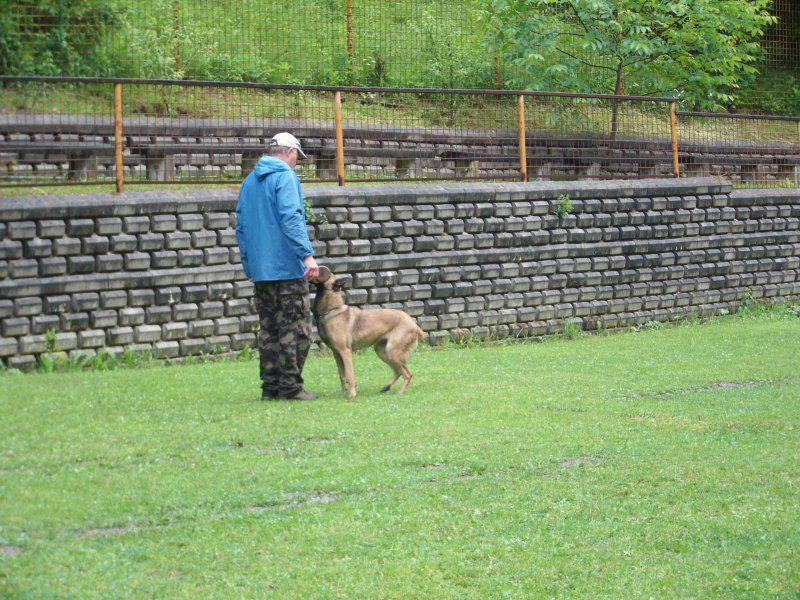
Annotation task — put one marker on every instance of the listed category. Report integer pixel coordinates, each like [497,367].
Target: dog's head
[329,291]
[328,281]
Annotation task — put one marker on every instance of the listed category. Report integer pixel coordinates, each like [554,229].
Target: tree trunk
[615,104]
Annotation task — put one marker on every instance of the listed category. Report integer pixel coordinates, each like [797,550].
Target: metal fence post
[337,116]
[176,25]
[523,161]
[118,135]
[350,39]
[673,129]
[797,167]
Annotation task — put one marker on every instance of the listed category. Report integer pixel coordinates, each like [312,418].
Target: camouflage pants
[285,336]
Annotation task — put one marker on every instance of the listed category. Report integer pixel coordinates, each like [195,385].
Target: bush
[774,91]
[62,37]
[447,61]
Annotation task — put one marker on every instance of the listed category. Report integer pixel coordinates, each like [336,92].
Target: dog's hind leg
[380,350]
[406,379]
[397,355]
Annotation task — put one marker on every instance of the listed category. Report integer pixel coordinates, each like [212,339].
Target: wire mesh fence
[751,150]
[54,131]
[576,137]
[431,43]
[409,43]
[782,41]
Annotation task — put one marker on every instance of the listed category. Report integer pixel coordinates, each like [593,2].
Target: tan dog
[393,333]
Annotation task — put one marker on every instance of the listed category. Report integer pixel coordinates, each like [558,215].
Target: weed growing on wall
[563,207]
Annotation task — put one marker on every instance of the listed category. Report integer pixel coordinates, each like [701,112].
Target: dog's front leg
[340,367]
[349,372]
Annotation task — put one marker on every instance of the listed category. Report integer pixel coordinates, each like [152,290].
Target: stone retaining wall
[159,271]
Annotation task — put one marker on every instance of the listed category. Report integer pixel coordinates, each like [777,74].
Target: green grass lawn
[662,463]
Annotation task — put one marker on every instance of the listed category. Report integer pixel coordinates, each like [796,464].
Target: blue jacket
[271,223]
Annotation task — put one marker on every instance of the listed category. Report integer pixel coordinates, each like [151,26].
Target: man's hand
[312,268]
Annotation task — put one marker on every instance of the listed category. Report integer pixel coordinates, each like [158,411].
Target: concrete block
[74,321]
[219,344]
[10,249]
[108,226]
[227,326]
[164,259]
[177,240]
[243,289]
[131,316]
[193,347]
[237,307]
[166,349]
[158,314]
[211,310]
[123,242]
[23,363]
[52,267]
[15,326]
[27,307]
[136,224]
[147,333]
[103,319]
[37,248]
[79,228]
[215,256]
[190,258]
[188,222]
[136,261]
[150,241]
[113,299]
[23,268]
[91,338]
[21,230]
[203,239]
[51,228]
[109,263]
[201,328]
[65,341]
[163,223]
[250,323]
[184,312]
[174,331]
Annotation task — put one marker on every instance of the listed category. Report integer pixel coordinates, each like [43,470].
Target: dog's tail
[420,333]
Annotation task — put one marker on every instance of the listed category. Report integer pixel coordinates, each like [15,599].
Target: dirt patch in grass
[559,409]
[295,500]
[681,422]
[579,461]
[10,550]
[714,387]
[105,531]
[321,439]
[433,466]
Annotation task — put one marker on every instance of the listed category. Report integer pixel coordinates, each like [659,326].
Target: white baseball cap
[289,141]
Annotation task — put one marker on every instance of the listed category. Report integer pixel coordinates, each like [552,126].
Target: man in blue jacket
[277,256]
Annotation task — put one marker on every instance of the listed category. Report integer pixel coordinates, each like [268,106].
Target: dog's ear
[324,274]
[341,284]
